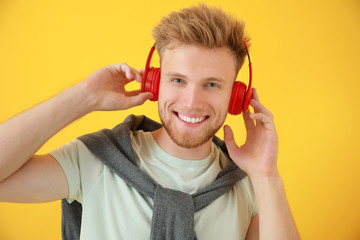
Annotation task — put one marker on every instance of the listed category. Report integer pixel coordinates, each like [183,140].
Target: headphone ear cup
[237,98]
[151,83]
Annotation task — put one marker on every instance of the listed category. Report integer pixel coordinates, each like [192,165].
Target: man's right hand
[25,177]
[106,88]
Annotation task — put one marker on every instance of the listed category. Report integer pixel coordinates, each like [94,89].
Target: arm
[258,157]
[253,231]
[22,135]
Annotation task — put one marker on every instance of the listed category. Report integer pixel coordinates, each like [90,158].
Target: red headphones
[240,98]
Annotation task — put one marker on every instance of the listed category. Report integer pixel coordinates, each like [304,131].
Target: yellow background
[306,68]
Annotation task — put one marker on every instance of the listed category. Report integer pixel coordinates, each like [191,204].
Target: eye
[212,84]
[177,80]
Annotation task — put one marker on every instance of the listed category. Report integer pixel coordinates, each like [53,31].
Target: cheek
[168,94]
[222,107]
[165,101]
[222,103]
[226,101]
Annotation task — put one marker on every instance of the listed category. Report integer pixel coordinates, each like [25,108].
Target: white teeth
[191,120]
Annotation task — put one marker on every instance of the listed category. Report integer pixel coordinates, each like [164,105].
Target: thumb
[229,139]
[140,98]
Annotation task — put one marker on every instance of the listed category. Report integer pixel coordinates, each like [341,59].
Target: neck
[165,142]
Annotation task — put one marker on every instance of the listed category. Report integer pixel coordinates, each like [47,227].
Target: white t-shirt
[114,210]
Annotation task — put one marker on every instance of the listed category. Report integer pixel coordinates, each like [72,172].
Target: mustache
[190,111]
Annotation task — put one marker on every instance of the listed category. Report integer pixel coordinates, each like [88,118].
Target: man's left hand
[258,156]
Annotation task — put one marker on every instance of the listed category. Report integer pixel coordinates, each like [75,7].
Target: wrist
[264,175]
[84,97]
[71,104]
[264,183]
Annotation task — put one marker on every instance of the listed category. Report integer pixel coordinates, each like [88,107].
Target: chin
[194,130]
[189,137]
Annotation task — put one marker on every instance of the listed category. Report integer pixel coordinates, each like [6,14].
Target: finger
[229,139]
[263,119]
[136,74]
[126,69]
[126,80]
[119,69]
[129,74]
[256,108]
[140,98]
[255,95]
[141,71]
[249,123]
[259,108]
[133,93]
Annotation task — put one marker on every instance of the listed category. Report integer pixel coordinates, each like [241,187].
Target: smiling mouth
[191,120]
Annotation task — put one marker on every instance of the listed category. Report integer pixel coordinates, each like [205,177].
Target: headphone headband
[240,97]
[246,102]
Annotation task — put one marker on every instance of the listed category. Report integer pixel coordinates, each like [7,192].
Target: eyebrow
[180,75]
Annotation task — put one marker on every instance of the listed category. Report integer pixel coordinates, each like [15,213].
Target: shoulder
[75,158]
[72,150]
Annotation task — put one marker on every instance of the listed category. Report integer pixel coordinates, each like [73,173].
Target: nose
[193,97]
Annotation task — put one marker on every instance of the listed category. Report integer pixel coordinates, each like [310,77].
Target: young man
[201,50]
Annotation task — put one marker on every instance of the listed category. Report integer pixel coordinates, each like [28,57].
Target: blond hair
[206,26]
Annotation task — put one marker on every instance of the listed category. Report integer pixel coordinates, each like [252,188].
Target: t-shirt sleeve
[68,158]
[251,195]
[246,185]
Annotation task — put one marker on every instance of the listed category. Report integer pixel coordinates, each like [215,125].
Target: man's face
[195,89]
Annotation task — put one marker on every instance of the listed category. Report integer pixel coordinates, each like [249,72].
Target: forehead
[199,61]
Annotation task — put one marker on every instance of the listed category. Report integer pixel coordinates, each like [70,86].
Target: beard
[186,138]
